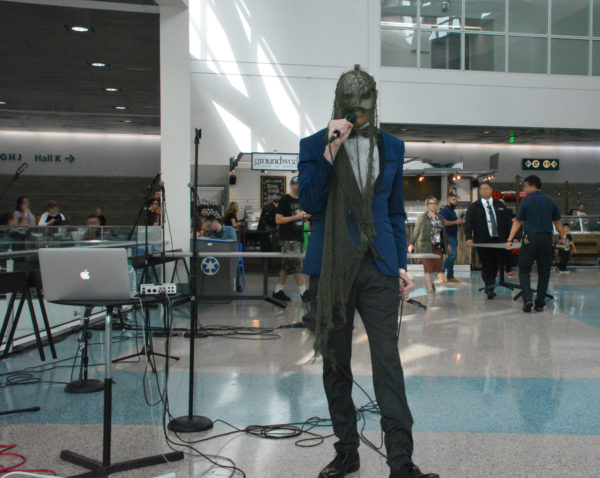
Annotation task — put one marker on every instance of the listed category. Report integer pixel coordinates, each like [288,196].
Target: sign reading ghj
[39,157]
[275,161]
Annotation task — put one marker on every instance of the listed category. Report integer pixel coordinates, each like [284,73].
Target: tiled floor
[494,392]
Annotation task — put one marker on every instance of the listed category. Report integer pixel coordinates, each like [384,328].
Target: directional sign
[540,164]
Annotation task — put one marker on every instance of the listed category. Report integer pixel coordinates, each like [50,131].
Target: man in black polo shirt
[537,212]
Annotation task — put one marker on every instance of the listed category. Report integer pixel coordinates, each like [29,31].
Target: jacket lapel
[381,151]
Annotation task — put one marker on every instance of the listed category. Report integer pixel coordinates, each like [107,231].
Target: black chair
[19,284]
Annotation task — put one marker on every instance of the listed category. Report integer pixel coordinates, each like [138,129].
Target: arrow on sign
[70,158]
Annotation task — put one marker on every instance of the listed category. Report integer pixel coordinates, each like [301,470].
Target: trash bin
[216,275]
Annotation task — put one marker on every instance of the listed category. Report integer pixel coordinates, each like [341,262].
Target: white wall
[95,154]
[578,164]
[264,72]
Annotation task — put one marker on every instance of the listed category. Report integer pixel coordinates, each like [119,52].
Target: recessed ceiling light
[2,102]
[80,29]
[110,89]
[485,132]
[127,121]
[120,107]
[98,64]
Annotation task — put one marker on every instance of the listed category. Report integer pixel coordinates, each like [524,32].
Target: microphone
[351,117]
[156,178]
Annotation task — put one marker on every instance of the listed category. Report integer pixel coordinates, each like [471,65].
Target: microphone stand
[18,173]
[147,349]
[191,423]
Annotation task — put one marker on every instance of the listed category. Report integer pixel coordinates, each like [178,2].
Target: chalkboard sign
[271,186]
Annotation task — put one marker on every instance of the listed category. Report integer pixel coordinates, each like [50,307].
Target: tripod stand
[147,349]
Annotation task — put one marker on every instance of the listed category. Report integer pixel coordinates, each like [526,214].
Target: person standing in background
[429,236]
[267,223]
[53,216]
[230,217]
[23,214]
[290,219]
[451,221]
[564,254]
[537,213]
[487,221]
[99,213]
[581,210]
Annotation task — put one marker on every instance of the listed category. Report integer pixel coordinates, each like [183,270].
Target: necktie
[492,219]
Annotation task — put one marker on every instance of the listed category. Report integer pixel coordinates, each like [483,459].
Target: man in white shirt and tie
[487,220]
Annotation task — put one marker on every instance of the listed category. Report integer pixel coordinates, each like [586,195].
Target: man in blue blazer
[378,234]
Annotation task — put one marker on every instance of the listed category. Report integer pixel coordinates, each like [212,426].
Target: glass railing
[582,224]
[32,238]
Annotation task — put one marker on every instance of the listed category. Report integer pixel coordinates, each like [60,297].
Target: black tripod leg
[9,309]
[46,322]
[13,329]
[36,329]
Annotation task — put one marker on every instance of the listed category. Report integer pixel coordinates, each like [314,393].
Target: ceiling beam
[97,5]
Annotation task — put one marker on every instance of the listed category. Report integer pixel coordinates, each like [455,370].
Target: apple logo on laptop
[85,275]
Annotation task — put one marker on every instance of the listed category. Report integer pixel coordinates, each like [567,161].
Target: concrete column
[176,130]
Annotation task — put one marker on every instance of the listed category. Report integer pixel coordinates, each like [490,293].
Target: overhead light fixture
[111,89]
[486,132]
[120,107]
[79,29]
[127,121]
[421,177]
[456,177]
[98,64]
[265,170]
[2,102]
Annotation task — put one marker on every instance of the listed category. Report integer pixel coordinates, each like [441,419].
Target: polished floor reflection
[494,391]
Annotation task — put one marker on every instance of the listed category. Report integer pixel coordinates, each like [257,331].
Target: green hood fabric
[355,92]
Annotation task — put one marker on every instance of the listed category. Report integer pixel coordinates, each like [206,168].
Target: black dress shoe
[539,308]
[282,296]
[306,296]
[527,306]
[342,464]
[491,294]
[411,471]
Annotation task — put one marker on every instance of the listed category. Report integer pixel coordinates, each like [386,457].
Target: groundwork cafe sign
[539,164]
[275,161]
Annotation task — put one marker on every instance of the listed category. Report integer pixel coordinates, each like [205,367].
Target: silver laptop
[74,273]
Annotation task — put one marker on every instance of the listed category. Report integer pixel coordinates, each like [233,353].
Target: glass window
[528,16]
[527,55]
[596,18]
[440,50]
[398,13]
[486,15]
[596,58]
[398,47]
[571,17]
[441,13]
[569,57]
[484,52]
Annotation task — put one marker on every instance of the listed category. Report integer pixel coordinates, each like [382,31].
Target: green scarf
[342,258]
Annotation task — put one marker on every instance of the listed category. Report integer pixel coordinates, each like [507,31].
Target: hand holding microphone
[338,132]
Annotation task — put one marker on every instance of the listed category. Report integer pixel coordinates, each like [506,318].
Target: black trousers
[489,258]
[564,257]
[535,248]
[376,297]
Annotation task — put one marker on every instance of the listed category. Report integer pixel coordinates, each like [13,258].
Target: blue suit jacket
[315,176]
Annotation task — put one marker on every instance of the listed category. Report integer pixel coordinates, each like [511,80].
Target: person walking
[352,185]
[290,217]
[487,221]
[451,221]
[430,236]
[537,213]
[564,253]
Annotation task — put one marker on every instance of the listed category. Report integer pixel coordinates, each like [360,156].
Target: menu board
[271,186]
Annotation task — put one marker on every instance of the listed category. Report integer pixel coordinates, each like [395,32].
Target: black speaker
[232,179]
